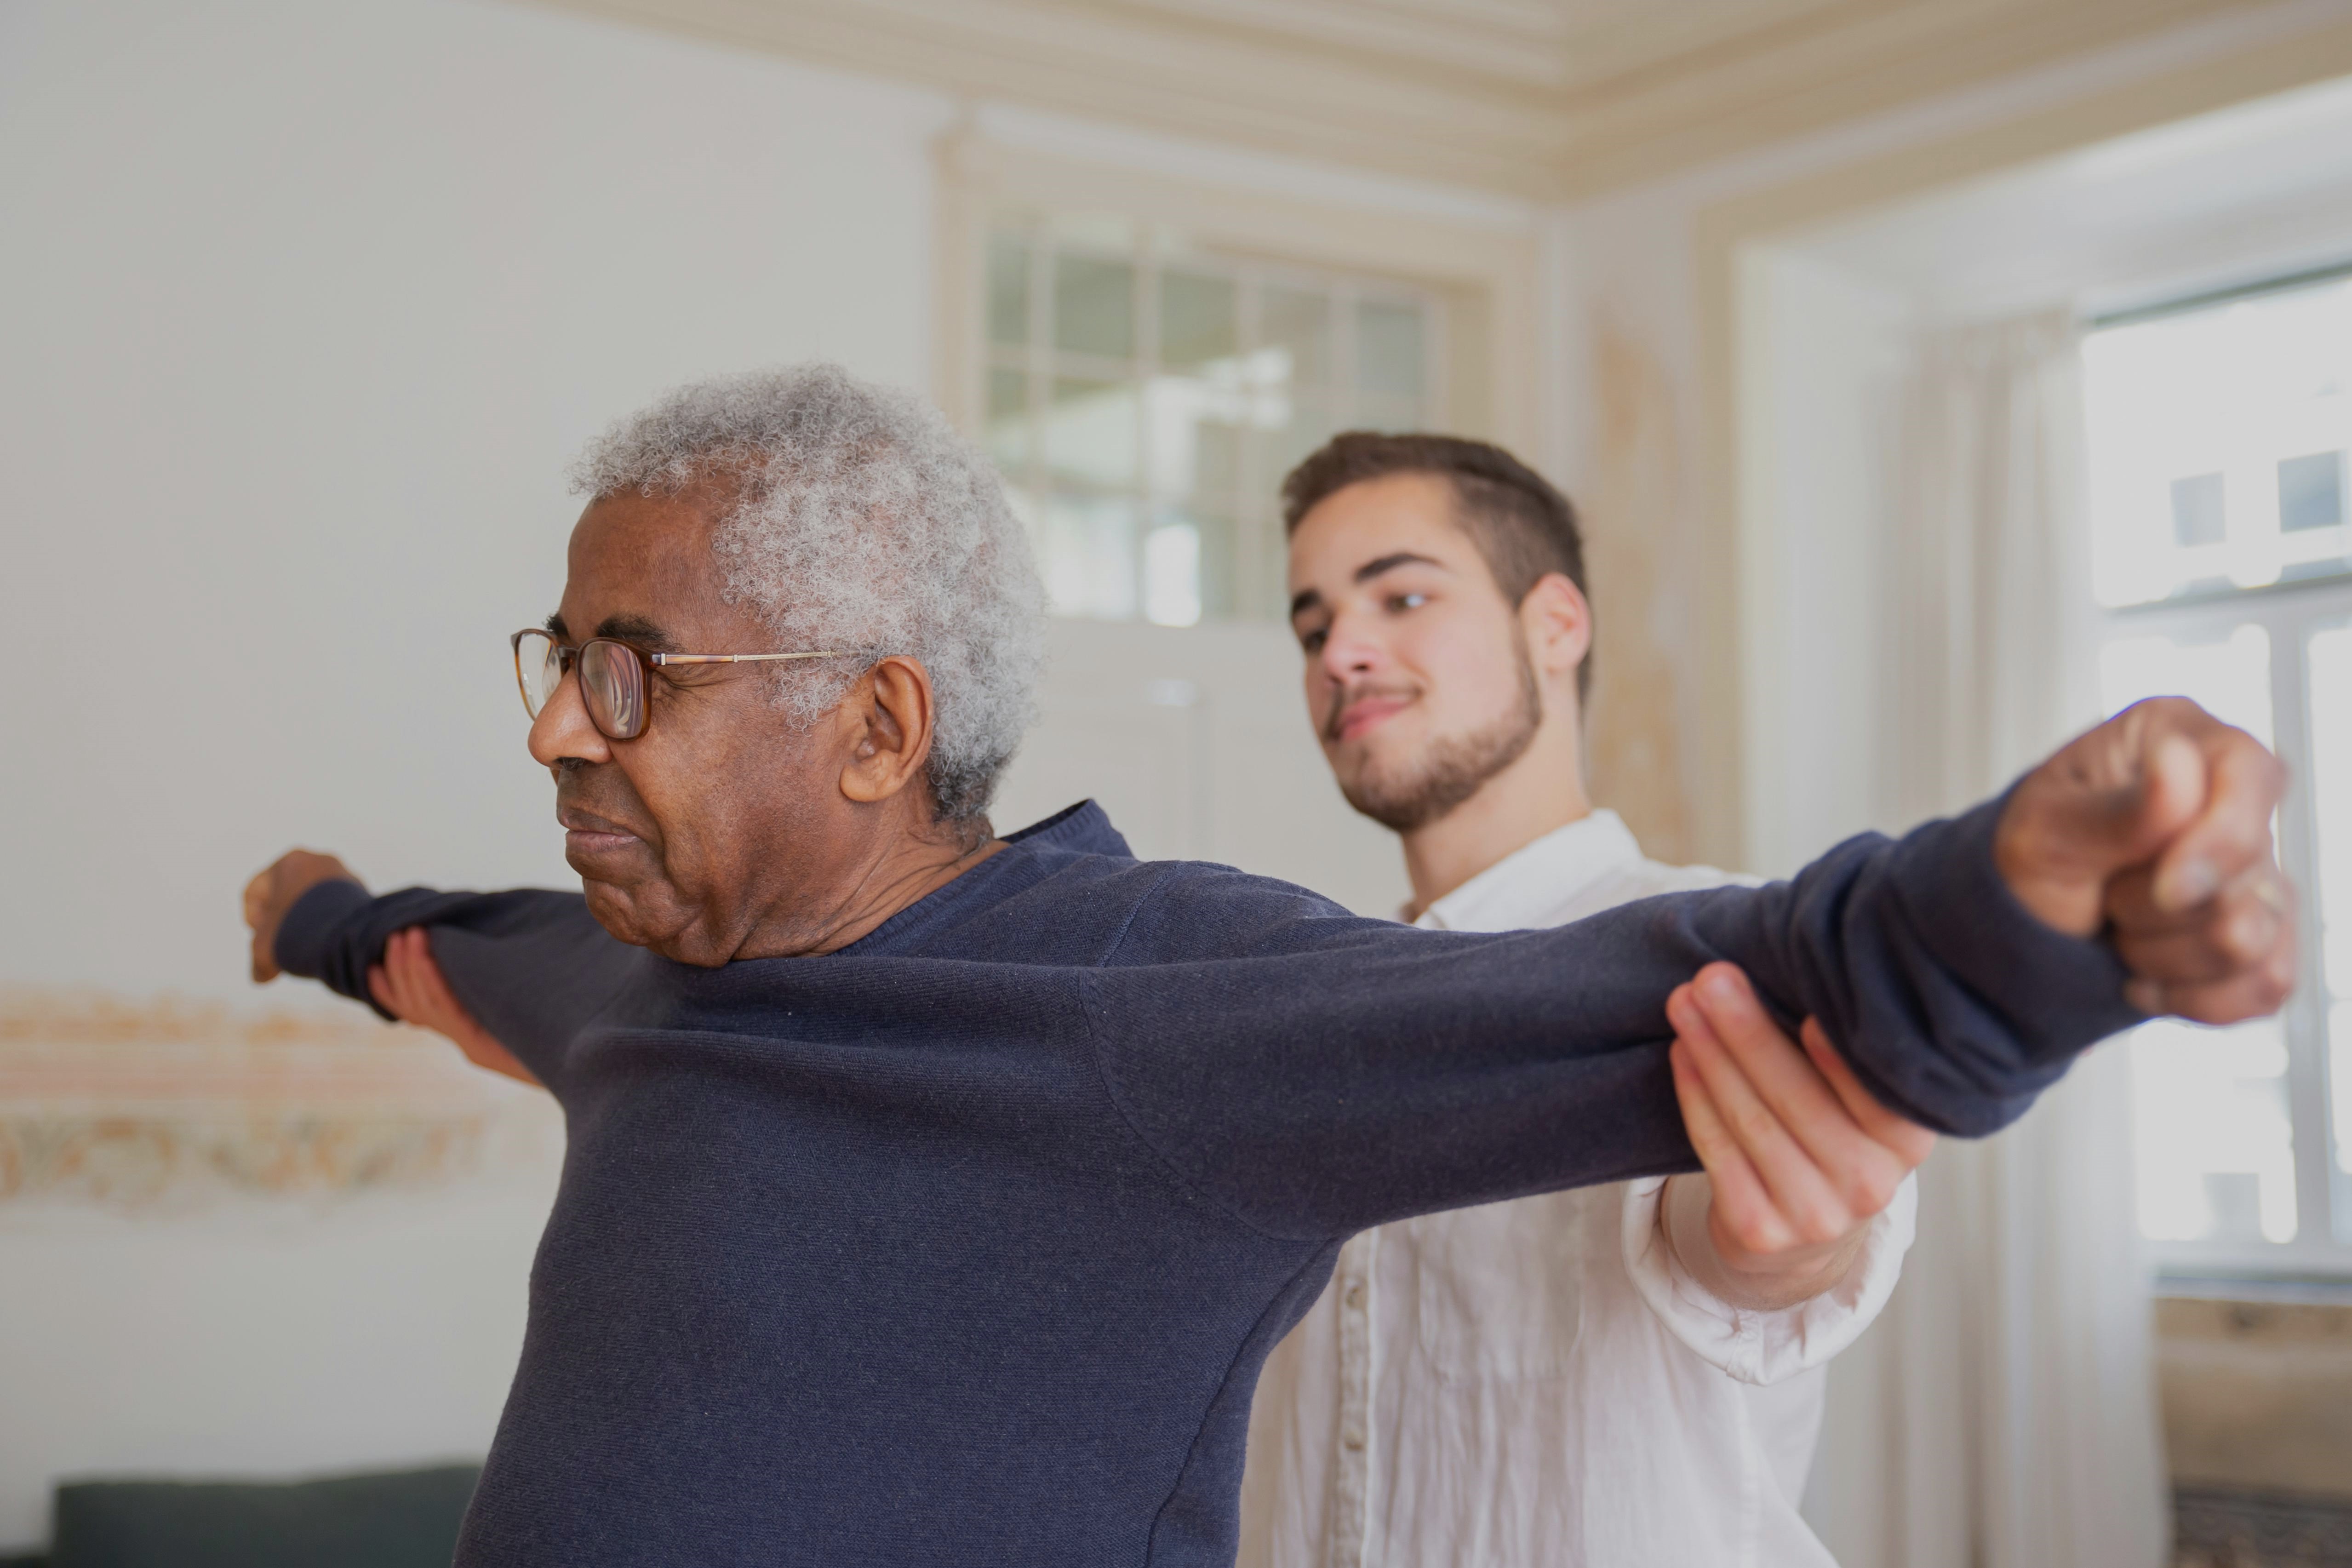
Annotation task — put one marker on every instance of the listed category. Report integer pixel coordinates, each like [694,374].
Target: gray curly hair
[860,521]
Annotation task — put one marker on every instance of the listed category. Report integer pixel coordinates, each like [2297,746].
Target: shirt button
[1352,1441]
[1355,1297]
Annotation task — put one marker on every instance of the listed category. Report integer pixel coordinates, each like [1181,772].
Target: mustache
[1348,697]
[600,793]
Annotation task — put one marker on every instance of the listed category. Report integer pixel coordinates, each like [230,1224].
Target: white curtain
[2002,1414]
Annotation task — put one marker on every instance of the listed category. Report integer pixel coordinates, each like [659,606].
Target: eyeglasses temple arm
[667,659]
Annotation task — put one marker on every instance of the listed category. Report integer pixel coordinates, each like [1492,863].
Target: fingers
[264,961]
[1813,1209]
[2231,833]
[1911,1143]
[2237,929]
[410,986]
[2156,826]
[269,895]
[1739,1198]
[413,991]
[428,988]
[1858,1166]
[2253,992]
[2164,784]
[379,987]
[2109,798]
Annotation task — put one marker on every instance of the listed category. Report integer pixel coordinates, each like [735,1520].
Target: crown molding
[1505,95]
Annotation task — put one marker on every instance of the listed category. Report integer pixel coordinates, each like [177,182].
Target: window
[2221,549]
[1144,399]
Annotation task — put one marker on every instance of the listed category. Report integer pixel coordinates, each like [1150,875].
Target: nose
[564,731]
[1349,655]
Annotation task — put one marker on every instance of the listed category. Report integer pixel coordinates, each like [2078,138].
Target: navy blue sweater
[965,1244]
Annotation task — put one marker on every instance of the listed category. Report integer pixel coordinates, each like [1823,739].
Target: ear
[889,716]
[1558,623]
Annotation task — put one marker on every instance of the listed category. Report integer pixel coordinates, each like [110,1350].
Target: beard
[1449,770]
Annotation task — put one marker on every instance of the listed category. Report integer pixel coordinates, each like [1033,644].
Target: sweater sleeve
[1354,1071]
[532,966]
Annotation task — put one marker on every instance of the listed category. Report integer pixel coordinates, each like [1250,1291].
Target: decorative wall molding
[135,1102]
[1548,98]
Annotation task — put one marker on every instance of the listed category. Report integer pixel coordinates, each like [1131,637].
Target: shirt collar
[1524,887]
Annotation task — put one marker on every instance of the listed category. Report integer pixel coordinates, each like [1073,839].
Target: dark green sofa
[405,1519]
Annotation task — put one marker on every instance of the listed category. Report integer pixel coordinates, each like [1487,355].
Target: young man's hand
[1800,1159]
[2156,827]
[409,985]
[273,891]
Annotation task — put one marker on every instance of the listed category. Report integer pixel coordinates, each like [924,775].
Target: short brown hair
[1521,524]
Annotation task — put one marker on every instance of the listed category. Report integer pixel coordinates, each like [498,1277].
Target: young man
[933,1196]
[1615,1377]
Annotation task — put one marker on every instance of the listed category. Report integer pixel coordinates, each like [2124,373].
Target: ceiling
[1539,97]
[2259,190]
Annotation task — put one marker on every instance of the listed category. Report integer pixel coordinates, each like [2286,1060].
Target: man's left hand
[1800,1159]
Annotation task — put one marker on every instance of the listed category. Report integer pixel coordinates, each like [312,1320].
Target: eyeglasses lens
[613,683]
[538,669]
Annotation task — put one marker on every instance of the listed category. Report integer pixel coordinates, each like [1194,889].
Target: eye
[1406,601]
[1312,642]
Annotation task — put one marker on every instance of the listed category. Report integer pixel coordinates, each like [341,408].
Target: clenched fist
[271,894]
[2156,828]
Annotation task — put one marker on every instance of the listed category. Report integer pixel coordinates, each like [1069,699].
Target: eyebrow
[1308,598]
[626,628]
[1372,569]
[635,630]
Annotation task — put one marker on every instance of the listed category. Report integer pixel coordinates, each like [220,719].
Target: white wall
[1198,745]
[306,307]
[1822,357]
[303,310]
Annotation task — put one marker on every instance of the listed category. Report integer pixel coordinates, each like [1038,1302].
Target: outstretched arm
[1348,1072]
[533,966]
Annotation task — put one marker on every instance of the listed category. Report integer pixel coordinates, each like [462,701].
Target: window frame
[1478,263]
[2290,613]
[1149,251]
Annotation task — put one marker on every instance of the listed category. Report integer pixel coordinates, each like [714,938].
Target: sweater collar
[1080,829]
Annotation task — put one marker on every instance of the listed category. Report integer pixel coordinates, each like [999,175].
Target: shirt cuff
[1765,1347]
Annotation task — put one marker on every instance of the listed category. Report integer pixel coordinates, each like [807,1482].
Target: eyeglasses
[612,676]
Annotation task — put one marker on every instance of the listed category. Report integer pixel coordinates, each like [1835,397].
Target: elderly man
[935,1197]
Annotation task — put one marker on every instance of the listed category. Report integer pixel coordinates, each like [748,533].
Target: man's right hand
[271,894]
[2156,828]
[409,985]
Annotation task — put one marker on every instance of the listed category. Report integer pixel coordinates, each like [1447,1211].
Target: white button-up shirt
[1539,1382]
